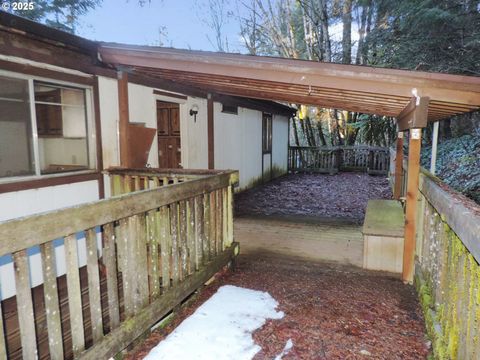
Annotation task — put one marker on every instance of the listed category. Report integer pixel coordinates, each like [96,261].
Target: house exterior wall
[238,145]
[28,202]
[280,144]
[194,134]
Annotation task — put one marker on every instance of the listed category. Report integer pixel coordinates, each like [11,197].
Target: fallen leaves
[331,311]
[343,195]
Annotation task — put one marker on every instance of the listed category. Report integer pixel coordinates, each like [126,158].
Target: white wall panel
[280,142]
[28,202]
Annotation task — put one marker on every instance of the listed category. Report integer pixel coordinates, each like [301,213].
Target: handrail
[144,251]
[332,159]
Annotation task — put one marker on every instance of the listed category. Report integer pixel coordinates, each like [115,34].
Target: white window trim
[90,123]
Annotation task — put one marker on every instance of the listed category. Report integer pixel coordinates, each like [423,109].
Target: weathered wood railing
[124,180]
[374,160]
[447,270]
[145,252]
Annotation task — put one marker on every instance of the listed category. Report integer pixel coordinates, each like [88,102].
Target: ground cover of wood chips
[344,195]
[331,311]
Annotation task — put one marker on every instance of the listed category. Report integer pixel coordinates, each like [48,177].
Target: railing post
[413,174]
[398,167]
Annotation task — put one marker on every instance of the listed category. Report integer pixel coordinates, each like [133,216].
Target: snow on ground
[221,328]
[286,350]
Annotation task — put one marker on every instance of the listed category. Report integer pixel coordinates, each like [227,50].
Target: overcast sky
[183,21]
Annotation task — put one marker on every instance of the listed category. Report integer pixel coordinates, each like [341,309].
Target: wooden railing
[447,270]
[145,252]
[374,160]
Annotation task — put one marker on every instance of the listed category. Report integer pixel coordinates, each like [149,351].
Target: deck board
[312,240]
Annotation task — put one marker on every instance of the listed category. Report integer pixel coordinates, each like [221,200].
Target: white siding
[280,142]
[194,135]
[142,109]
[238,143]
[108,93]
[28,202]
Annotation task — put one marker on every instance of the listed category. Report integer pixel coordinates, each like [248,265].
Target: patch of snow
[286,350]
[221,328]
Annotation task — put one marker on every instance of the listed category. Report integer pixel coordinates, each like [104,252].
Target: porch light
[194,112]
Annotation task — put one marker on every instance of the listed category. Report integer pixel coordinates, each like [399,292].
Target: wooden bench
[383,236]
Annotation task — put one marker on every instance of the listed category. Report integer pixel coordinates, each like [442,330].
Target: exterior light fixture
[194,112]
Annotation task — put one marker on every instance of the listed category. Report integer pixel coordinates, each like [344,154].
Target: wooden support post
[211,133]
[123,113]
[433,159]
[397,192]
[413,174]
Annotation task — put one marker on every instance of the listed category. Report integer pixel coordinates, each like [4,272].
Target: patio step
[340,242]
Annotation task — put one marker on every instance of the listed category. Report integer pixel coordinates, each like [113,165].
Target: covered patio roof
[347,87]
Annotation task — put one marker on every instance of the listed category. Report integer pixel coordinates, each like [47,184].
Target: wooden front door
[168,135]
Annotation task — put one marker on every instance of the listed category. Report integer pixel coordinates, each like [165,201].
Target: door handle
[170,146]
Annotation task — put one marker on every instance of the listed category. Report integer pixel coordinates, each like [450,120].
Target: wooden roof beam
[414,115]
[439,87]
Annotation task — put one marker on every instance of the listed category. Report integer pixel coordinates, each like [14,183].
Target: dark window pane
[230,109]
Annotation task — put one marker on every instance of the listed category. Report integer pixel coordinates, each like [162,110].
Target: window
[230,109]
[16,149]
[44,128]
[267,133]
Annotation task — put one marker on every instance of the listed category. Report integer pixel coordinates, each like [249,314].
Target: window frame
[267,133]
[231,112]
[90,126]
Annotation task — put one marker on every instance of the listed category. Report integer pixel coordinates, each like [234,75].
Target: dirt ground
[344,195]
[331,311]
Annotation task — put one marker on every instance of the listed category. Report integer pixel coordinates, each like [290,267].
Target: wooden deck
[302,237]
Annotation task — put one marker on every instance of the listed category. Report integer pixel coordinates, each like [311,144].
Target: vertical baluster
[163,226]
[183,239]
[74,294]
[94,285]
[153,241]
[224,218]
[175,251]
[136,183]
[207,240]
[219,222]
[213,224]
[127,184]
[116,185]
[199,231]
[110,262]
[26,320]
[192,253]
[50,293]
[139,263]
[123,249]
[230,205]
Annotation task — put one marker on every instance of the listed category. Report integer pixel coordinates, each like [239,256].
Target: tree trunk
[326,35]
[310,131]
[320,133]
[295,131]
[359,59]
[347,32]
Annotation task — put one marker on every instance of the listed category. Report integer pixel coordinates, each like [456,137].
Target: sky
[183,21]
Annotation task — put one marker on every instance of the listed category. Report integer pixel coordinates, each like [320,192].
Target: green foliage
[375,130]
[433,35]
[458,164]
